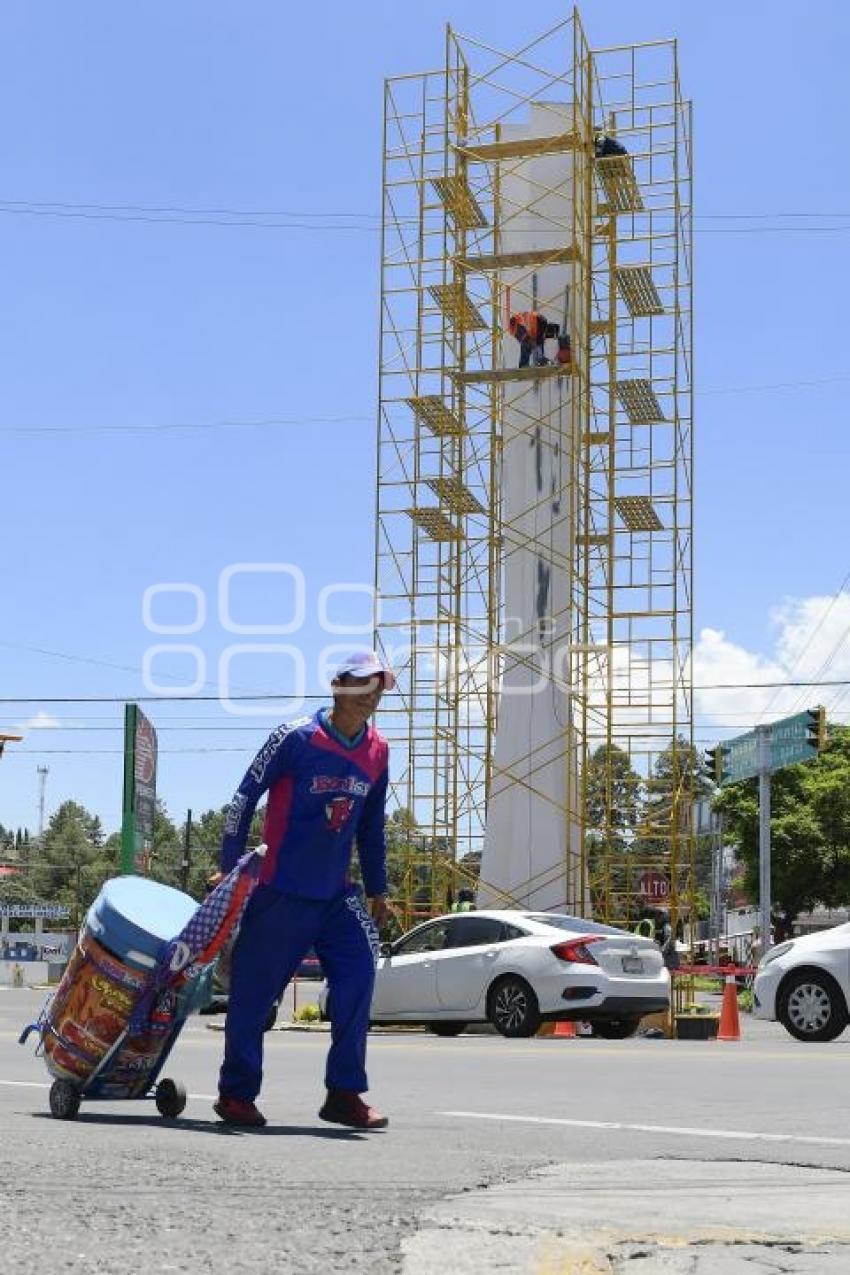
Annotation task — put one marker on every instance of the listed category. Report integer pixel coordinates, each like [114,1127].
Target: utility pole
[187,847]
[718,900]
[43,772]
[763,736]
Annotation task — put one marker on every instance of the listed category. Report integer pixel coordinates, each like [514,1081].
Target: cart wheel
[64,1100]
[170,1098]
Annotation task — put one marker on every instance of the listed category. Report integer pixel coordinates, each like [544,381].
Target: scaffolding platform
[455,496]
[435,415]
[639,401]
[485,262]
[457,307]
[498,375]
[637,288]
[617,179]
[459,201]
[638,513]
[521,148]
[435,524]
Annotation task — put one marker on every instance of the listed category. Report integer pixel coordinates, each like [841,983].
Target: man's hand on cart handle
[379,909]
[217,877]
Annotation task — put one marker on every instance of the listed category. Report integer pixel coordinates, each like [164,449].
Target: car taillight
[576,951]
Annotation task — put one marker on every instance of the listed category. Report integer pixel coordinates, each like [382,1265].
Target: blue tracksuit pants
[277,930]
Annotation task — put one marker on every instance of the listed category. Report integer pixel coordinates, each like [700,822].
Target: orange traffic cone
[730,1024]
[566,1030]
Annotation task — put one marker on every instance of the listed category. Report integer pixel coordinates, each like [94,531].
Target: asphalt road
[541,1155]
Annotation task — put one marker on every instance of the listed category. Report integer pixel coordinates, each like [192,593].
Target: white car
[514,970]
[805,984]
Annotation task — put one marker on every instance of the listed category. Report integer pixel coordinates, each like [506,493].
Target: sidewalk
[686,1217]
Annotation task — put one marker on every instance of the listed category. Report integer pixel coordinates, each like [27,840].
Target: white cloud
[811,642]
[41,721]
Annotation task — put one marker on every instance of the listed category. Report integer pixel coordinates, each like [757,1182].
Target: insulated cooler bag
[125,931]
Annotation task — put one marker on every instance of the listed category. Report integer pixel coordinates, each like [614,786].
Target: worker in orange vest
[530,328]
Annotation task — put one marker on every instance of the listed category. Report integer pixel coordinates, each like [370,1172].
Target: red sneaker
[239,1111]
[344,1106]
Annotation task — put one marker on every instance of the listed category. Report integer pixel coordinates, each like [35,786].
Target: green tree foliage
[678,779]
[166,849]
[613,797]
[19,889]
[14,844]
[614,805]
[73,860]
[207,832]
[809,830]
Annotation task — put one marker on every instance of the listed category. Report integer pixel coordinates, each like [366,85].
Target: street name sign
[790,742]
[740,758]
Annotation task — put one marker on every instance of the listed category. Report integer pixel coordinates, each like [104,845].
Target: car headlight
[779,950]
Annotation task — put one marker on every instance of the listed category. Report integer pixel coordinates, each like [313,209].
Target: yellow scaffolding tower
[442,541]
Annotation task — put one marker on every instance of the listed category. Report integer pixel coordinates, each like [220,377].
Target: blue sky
[126,344]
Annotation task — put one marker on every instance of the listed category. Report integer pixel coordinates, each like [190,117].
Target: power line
[202,212]
[345,221]
[774,385]
[342,213]
[763,216]
[282,697]
[186,221]
[276,422]
[197,425]
[839,591]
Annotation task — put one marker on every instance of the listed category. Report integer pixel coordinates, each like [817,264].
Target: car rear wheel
[446,1029]
[811,1006]
[512,1007]
[616,1028]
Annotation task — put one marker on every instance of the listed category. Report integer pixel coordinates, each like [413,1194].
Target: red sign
[654,887]
[145,751]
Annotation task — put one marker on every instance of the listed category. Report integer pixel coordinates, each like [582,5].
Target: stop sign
[654,887]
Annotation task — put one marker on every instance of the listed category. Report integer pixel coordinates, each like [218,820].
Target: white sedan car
[515,970]
[805,984]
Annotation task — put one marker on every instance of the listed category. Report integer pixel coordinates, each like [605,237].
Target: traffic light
[816,728]
[714,764]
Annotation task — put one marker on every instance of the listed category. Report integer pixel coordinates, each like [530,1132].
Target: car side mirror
[386,949]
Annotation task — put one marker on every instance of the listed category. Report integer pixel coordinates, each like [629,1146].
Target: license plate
[632,965]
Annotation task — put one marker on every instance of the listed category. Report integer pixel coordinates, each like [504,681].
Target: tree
[166,851]
[613,797]
[678,779]
[613,808]
[72,861]
[809,831]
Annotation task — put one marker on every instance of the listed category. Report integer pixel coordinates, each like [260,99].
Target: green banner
[140,754]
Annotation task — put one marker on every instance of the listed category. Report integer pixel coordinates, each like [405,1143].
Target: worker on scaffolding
[605,146]
[531,329]
[465,901]
[645,927]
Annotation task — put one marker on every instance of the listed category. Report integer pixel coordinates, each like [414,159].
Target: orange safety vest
[534,324]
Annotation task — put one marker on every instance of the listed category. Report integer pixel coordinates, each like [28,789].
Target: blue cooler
[133,917]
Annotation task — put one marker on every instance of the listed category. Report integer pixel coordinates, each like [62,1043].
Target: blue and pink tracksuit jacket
[326,796]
